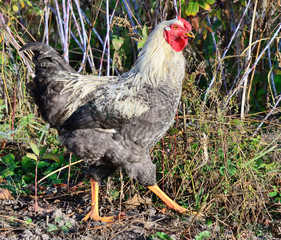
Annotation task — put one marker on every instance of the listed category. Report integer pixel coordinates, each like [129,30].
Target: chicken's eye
[175,27]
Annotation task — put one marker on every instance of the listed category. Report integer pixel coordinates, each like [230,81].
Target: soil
[58,216]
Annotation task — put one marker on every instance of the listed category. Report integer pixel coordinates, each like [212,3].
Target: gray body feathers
[111,122]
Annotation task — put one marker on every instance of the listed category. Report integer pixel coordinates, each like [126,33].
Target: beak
[189,34]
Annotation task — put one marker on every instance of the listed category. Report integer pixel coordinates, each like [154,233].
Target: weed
[59,225]
[160,235]
[203,235]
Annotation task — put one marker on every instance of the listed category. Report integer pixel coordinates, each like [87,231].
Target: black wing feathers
[88,116]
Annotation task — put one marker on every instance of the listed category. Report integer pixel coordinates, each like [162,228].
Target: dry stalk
[248,60]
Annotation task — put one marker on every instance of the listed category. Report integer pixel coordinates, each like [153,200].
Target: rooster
[112,122]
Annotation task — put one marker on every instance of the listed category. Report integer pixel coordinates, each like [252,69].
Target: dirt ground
[59,216]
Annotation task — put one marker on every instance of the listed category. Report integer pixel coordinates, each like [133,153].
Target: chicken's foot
[168,201]
[94,213]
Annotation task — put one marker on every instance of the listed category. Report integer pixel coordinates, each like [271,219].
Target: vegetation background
[220,159]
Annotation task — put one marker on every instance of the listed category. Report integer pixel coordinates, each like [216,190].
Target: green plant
[160,235]
[275,194]
[192,8]
[203,235]
[57,226]
[21,171]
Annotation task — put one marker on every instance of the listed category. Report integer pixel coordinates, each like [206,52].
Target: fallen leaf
[136,201]
[47,208]
[5,194]
[75,187]
[121,215]
[60,185]
[267,222]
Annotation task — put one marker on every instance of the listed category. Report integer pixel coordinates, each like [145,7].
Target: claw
[168,201]
[94,213]
[93,216]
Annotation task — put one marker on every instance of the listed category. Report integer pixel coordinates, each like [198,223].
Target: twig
[69,168]
[204,142]
[213,35]
[136,7]
[176,7]
[36,184]
[163,163]
[255,63]
[59,170]
[84,41]
[121,191]
[10,37]
[271,73]
[128,9]
[106,40]
[81,39]
[253,71]
[66,27]
[18,220]
[226,50]
[82,47]
[248,59]
[267,116]
[99,38]
[46,28]
[61,29]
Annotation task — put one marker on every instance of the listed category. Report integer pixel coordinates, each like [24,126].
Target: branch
[226,50]
[267,116]
[255,63]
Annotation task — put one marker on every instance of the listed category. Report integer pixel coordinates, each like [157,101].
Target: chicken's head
[177,34]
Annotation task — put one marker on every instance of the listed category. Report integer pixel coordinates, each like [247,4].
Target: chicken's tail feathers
[47,58]
[50,69]
[38,46]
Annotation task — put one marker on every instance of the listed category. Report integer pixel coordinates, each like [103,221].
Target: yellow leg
[168,201]
[94,213]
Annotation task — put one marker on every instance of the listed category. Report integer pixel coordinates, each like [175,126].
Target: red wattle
[178,44]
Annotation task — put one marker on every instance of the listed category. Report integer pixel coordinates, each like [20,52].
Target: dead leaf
[75,187]
[195,23]
[208,28]
[267,222]
[121,215]
[47,208]
[3,181]
[5,194]
[136,201]
[60,185]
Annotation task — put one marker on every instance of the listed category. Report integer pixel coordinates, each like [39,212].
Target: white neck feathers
[158,62]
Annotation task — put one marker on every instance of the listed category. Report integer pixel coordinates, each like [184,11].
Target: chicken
[112,122]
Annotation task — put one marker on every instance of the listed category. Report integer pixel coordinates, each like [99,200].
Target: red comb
[186,24]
